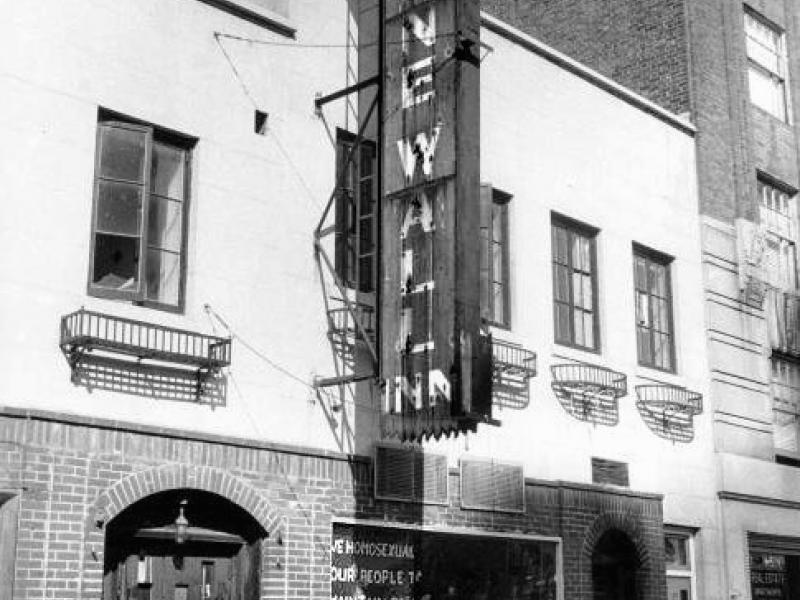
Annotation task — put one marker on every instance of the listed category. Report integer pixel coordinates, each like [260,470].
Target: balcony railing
[86,331]
[512,367]
[783,310]
[669,410]
[589,392]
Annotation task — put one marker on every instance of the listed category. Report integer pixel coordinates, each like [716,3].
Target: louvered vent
[609,471]
[410,475]
[490,485]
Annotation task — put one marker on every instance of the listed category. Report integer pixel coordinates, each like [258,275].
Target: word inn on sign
[430,319]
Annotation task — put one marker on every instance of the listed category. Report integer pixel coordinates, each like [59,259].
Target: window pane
[122,153]
[785,428]
[662,351]
[588,329]
[561,290]
[498,214]
[498,304]
[767,93]
[582,291]
[679,588]
[116,262]
[577,253]
[578,327]
[119,208]
[640,273]
[676,551]
[658,280]
[643,344]
[365,198]
[168,171]
[562,323]
[497,262]
[163,275]
[560,252]
[642,309]
[165,224]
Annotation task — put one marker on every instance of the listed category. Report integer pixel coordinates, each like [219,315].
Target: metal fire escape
[350,311]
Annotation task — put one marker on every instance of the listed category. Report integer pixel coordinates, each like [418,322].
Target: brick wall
[76,476]
[641,44]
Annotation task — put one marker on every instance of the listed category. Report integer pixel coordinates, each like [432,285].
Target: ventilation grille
[410,475]
[609,472]
[489,485]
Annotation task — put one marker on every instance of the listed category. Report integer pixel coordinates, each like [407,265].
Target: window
[495,300]
[679,559]
[654,338]
[774,566]
[141,195]
[786,406]
[778,212]
[766,65]
[574,284]
[355,213]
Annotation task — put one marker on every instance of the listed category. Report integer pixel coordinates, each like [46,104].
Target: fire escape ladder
[351,321]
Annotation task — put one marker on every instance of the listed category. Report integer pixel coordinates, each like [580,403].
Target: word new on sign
[436,365]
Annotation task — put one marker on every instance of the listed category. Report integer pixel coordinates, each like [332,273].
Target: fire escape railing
[351,323]
[512,367]
[85,331]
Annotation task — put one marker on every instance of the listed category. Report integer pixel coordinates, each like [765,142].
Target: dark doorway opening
[148,558]
[614,567]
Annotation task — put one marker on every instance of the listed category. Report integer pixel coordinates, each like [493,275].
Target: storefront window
[385,562]
[774,576]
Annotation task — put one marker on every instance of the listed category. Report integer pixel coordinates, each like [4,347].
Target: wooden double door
[190,571]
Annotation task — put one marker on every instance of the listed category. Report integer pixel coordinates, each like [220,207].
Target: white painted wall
[557,142]
[255,200]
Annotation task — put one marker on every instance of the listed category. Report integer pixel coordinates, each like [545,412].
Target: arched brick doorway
[615,567]
[219,559]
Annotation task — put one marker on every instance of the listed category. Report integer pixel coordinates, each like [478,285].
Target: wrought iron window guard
[512,367]
[589,392]
[669,410]
[91,338]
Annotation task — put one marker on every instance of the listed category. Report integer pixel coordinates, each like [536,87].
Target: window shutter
[490,485]
[485,250]
[121,187]
[343,208]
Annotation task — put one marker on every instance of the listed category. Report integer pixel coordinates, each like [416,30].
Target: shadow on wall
[96,372]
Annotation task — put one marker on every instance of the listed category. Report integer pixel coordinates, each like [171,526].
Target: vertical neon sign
[435,364]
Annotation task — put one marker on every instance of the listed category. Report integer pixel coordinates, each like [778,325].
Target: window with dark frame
[356,221]
[653,295]
[679,561]
[140,214]
[766,65]
[494,257]
[575,284]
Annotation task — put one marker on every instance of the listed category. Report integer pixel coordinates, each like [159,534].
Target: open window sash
[119,223]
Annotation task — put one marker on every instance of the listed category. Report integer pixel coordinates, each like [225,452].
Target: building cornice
[762,500]
[591,76]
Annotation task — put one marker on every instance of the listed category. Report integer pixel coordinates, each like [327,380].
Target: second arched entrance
[615,564]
